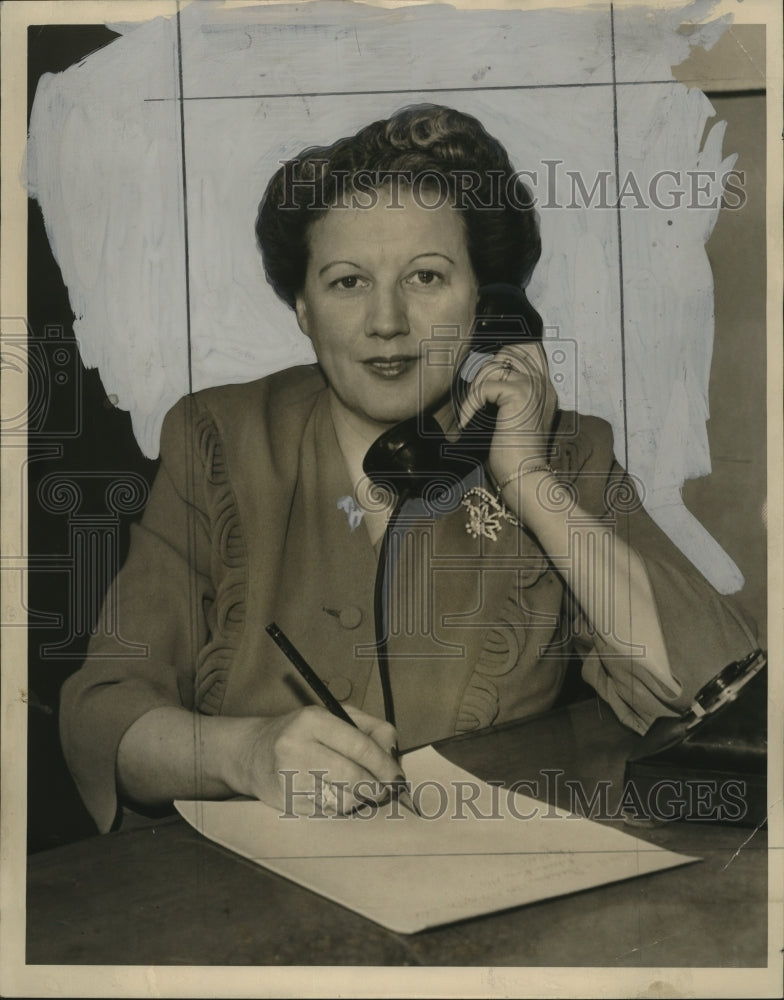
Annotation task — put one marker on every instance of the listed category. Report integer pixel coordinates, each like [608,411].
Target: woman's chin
[384,419]
[379,411]
[399,410]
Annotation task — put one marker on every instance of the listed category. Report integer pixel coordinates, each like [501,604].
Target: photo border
[19,979]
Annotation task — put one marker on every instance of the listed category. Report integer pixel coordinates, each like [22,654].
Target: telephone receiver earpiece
[504,316]
[414,454]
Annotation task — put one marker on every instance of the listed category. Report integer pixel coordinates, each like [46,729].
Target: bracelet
[542,467]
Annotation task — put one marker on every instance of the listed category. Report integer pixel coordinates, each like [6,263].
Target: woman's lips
[392,367]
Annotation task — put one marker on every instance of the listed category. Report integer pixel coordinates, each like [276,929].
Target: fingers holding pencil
[309,757]
[382,734]
[385,736]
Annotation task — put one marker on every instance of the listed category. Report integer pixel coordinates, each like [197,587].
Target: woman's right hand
[310,759]
[171,753]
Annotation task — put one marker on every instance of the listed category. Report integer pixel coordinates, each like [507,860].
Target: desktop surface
[163,895]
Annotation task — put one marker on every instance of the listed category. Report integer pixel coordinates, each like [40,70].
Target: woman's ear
[302,314]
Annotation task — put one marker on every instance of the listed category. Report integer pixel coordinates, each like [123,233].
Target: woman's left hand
[517,380]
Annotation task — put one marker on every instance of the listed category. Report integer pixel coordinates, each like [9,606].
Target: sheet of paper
[476,849]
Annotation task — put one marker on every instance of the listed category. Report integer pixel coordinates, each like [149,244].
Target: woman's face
[384,287]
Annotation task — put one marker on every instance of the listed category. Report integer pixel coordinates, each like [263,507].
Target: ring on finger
[328,799]
[508,368]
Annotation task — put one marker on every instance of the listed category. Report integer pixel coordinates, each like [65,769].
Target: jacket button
[350,617]
[341,687]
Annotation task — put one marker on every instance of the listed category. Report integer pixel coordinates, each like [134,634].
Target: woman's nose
[387,315]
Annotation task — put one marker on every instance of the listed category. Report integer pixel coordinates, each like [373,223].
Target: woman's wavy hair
[442,147]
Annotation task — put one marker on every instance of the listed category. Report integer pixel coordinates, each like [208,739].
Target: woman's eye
[425,277]
[348,282]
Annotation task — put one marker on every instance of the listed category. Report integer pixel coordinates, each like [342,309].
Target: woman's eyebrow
[332,263]
[432,253]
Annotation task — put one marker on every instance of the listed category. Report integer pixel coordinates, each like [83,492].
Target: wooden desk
[163,895]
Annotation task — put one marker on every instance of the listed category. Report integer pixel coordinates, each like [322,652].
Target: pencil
[325,696]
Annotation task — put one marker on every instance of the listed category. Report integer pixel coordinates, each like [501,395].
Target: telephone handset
[414,453]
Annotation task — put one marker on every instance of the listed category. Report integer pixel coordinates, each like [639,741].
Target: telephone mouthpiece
[406,452]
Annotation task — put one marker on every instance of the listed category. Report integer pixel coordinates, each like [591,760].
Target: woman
[261,511]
